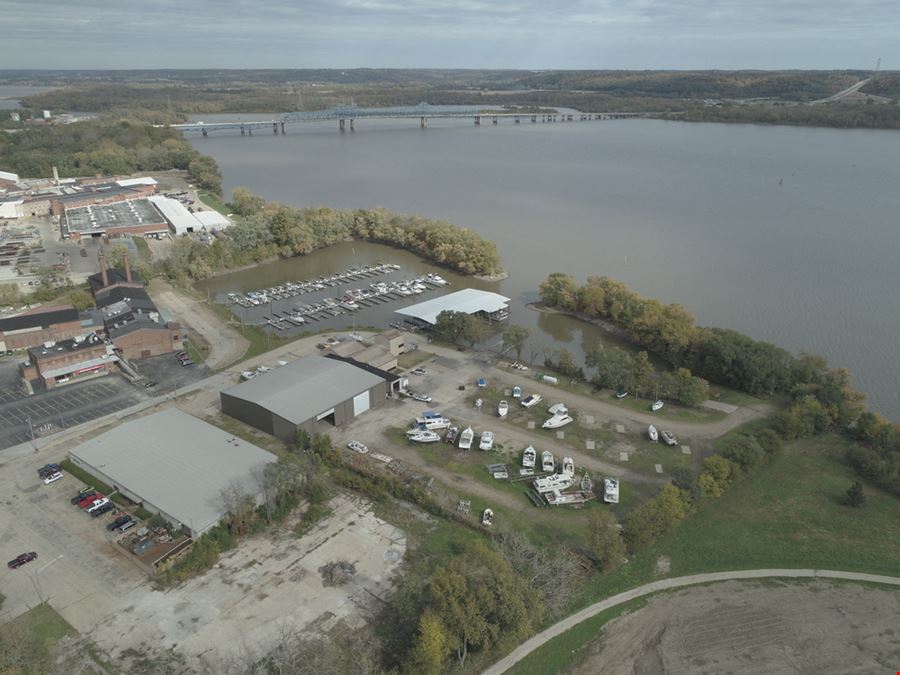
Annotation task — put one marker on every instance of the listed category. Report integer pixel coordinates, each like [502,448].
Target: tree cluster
[104,146]
[837,114]
[455,327]
[876,456]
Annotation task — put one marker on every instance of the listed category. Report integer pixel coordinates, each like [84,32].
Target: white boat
[586,483]
[657,405]
[425,437]
[547,461]
[487,440]
[487,518]
[611,491]
[555,482]
[502,408]
[668,437]
[517,392]
[568,467]
[433,420]
[621,394]
[563,498]
[436,279]
[248,374]
[528,457]
[531,400]
[652,433]
[558,409]
[557,421]
[466,438]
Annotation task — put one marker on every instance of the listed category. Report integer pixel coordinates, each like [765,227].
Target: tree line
[820,398]
[842,115]
[263,230]
[104,146]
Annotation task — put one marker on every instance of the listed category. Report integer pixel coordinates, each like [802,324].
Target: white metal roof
[305,388]
[178,463]
[212,219]
[176,214]
[11,177]
[129,182]
[468,301]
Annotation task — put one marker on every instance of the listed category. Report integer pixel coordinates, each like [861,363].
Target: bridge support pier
[495,120]
[534,119]
[341,125]
[423,122]
[517,119]
[352,128]
[477,120]
[282,128]
[242,130]
[204,132]
[275,128]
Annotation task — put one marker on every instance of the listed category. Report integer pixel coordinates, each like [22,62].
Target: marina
[279,308]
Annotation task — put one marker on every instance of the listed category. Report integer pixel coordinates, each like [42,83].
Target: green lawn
[413,358]
[143,248]
[213,201]
[788,514]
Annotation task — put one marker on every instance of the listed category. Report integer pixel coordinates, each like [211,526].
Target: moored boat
[557,421]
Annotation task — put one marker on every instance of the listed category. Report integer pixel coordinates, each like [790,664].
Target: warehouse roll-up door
[324,415]
[360,403]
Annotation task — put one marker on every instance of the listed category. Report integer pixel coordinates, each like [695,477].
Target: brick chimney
[127,269]
[103,276]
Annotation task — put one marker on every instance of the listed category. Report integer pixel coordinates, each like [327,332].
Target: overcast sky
[541,34]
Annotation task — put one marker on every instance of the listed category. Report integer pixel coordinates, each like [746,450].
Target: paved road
[852,89]
[666,584]
[226,345]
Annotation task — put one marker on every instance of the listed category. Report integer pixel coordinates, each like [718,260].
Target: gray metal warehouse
[175,465]
[313,393]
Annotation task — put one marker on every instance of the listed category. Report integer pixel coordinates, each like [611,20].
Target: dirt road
[226,345]
[678,582]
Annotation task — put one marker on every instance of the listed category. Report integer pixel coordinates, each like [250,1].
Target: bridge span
[347,116]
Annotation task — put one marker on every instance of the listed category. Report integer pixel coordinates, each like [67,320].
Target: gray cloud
[465,33]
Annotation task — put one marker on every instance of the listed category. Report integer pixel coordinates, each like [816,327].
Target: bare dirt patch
[750,627]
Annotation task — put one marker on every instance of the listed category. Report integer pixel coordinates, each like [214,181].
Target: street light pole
[31,433]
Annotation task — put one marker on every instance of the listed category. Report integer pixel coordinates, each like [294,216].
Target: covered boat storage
[472,301]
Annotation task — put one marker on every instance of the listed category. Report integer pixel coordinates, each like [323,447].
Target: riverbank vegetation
[838,114]
[104,146]
[264,230]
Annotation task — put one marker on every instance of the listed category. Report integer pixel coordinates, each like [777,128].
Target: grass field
[213,201]
[36,631]
[788,514]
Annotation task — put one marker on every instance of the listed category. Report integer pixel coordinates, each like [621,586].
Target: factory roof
[176,214]
[177,463]
[467,301]
[305,388]
[101,217]
[42,317]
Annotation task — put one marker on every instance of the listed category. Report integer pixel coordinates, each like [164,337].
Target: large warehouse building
[311,393]
[483,304]
[175,465]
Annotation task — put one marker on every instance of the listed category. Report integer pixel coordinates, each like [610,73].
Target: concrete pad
[531,424]
[589,445]
[589,419]
[658,468]
[623,456]
[620,428]
[560,435]
[686,449]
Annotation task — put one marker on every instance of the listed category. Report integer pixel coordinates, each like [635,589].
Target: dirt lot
[748,627]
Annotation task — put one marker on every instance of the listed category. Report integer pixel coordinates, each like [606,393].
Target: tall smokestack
[56,176]
[127,269]
[103,276]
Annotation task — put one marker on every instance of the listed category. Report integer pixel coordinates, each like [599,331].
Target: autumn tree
[450,325]
[245,203]
[432,646]
[642,373]
[605,541]
[559,290]
[514,337]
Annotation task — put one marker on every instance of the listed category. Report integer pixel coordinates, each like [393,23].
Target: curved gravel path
[560,627]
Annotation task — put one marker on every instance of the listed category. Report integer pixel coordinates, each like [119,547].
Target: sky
[529,34]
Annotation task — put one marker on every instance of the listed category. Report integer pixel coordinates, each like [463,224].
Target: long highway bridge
[346,117]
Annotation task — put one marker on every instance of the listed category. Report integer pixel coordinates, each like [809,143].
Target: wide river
[791,235]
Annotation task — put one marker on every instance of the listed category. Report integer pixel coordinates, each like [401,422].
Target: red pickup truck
[89,501]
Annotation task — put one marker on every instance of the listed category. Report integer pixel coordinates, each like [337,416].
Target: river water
[791,235]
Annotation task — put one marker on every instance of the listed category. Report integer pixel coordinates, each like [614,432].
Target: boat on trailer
[652,433]
[487,518]
[528,457]
[466,438]
[547,463]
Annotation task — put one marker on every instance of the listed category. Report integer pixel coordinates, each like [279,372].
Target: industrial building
[312,393]
[484,304]
[57,363]
[135,216]
[182,221]
[176,465]
[37,326]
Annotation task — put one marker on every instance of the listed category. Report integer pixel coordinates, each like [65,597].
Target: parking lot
[168,373]
[51,411]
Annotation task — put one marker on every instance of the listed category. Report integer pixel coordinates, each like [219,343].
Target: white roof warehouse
[468,301]
[174,464]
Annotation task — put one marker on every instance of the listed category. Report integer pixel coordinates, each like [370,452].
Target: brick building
[54,364]
[37,326]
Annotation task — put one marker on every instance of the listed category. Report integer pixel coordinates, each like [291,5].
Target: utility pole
[31,433]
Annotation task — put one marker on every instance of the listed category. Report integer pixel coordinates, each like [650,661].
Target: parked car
[356,446]
[98,504]
[424,398]
[47,469]
[187,362]
[106,508]
[127,525]
[53,477]
[89,500]
[419,371]
[150,384]
[481,382]
[181,355]
[84,494]
[21,559]
[121,520]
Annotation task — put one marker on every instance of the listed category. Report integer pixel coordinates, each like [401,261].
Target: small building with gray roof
[312,393]
[176,465]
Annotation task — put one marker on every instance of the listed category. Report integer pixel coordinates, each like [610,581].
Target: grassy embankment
[41,627]
[788,514]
